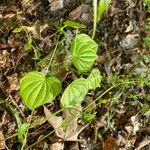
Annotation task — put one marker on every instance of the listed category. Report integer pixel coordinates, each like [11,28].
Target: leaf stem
[94,18]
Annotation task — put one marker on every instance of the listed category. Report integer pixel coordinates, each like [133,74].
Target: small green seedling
[147,3]
[22,129]
[36,89]
[147,41]
[94,79]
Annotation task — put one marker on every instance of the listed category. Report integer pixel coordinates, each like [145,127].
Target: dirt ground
[122,115]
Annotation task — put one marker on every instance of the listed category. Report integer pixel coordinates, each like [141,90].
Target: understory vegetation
[75,75]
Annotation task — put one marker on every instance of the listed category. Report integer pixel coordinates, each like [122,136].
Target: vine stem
[46,118]
[84,109]
[53,55]
[25,139]
[94,18]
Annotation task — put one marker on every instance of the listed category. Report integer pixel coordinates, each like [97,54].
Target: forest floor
[120,118]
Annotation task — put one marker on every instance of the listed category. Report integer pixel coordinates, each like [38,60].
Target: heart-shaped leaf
[36,89]
[74,94]
[94,79]
[83,51]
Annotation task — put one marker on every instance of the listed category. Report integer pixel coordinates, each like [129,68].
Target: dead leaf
[4,60]
[55,4]
[2,141]
[72,129]
[13,82]
[81,13]
[73,146]
[57,146]
[110,144]
[35,30]
[5,46]
[143,144]
[56,122]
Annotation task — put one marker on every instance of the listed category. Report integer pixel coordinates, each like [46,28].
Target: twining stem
[84,109]
[48,133]
[94,18]
[25,139]
[53,55]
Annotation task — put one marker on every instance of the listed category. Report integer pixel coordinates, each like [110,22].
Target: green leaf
[27,47]
[56,84]
[94,79]
[22,127]
[74,24]
[17,30]
[37,90]
[88,116]
[74,94]
[83,51]
[147,41]
[103,6]
[147,3]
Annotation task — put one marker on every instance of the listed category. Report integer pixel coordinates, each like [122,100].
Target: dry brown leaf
[35,30]
[56,122]
[2,141]
[110,144]
[57,146]
[5,46]
[72,130]
[13,83]
[55,4]
[81,13]
[143,144]
[4,60]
